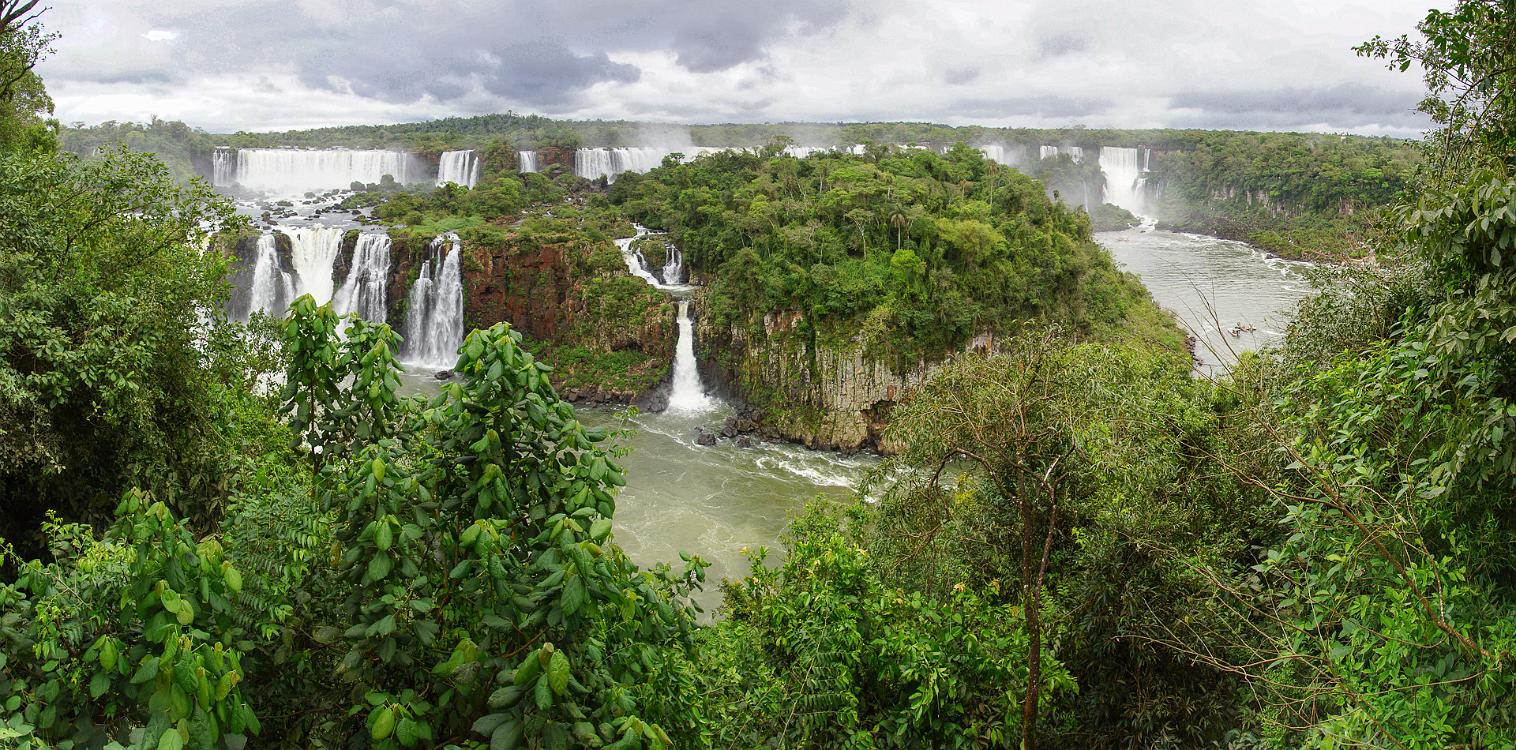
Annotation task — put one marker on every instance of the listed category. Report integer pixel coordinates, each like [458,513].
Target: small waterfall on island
[434,318]
[363,292]
[634,260]
[527,161]
[458,167]
[673,268]
[686,394]
[293,171]
[1124,178]
[313,253]
[272,289]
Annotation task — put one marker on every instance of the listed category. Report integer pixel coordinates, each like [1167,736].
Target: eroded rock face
[821,395]
[571,293]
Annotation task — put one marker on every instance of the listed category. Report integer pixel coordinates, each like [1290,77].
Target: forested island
[313,439]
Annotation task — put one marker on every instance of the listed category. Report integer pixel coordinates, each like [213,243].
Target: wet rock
[745,441]
[729,428]
[445,375]
[704,438]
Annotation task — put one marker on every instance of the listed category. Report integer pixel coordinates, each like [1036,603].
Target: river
[1230,296]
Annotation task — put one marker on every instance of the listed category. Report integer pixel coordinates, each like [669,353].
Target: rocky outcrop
[823,395]
[609,337]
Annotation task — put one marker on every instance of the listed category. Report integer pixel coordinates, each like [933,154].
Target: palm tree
[899,221]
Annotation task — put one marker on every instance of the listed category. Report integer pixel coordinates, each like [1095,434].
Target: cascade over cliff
[609,337]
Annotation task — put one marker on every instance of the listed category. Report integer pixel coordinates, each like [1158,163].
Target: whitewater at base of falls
[434,318]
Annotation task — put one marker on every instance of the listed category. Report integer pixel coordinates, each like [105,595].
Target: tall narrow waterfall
[459,168]
[687,394]
[272,289]
[313,253]
[363,292]
[527,161]
[292,171]
[434,319]
[223,166]
[1124,179]
[673,266]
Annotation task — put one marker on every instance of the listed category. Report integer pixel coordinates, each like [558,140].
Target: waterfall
[434,317]
[272,289]
[687,394]
[1047,152]
[802,152]
[634,260]
[223,167]
[363,292]
[458,167]
[313,253]
[1010,156]
[1124,178]
[527,161]
[1075,152]
[610,163]
[673,266]
[293,171]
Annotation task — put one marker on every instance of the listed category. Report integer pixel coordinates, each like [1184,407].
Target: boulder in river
[704,438]
[744,441]
[445,375]
[729,428]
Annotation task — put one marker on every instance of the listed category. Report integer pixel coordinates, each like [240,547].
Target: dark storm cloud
[1342,105]
[543,71]
[534,53]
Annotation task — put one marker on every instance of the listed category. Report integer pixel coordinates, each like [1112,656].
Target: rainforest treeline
[241,535]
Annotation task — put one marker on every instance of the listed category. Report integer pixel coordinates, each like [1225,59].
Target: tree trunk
[1033,627]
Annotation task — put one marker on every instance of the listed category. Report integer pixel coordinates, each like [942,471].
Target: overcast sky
[226,65]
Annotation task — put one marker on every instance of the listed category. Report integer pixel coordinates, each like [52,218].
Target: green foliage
[483,591]
[102,383]
[176,145]
[128,639]
[24,102]
[931,249]
[823,651]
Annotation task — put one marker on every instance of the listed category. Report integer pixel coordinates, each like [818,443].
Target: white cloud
[260,65]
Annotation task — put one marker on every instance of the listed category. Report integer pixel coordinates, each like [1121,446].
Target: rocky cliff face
[819,394]
[609,337]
